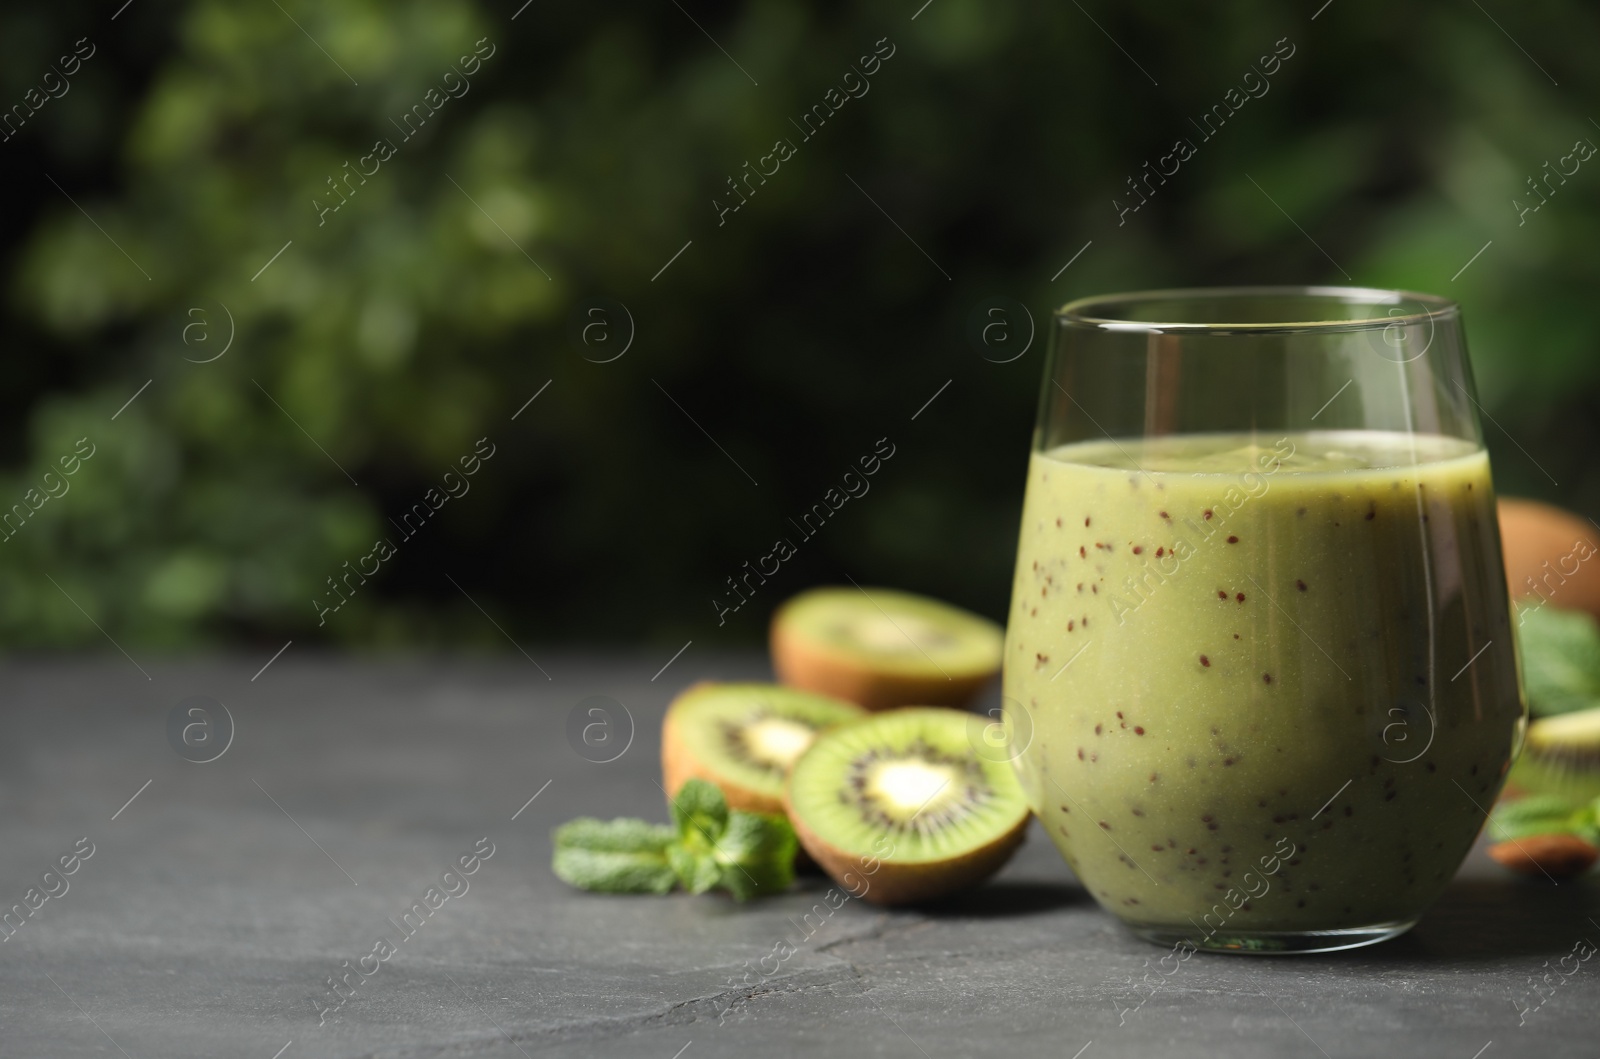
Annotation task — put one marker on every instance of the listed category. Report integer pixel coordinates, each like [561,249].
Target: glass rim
[1098,312]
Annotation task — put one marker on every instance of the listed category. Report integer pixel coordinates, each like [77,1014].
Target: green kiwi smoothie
[1262,683]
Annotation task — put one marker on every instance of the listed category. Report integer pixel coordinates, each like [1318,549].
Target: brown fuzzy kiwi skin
[802,664]
[1537,541]
[1551,856]
[901,884]
[679,764]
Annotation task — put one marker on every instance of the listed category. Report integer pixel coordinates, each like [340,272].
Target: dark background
[593,143]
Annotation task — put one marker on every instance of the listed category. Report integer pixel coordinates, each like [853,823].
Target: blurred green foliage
[593,141]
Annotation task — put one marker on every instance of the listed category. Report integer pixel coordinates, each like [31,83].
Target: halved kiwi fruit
[900,807]
[1561,755]
[884,648]
[744,738]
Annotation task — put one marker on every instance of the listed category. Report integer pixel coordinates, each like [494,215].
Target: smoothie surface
[1333,452]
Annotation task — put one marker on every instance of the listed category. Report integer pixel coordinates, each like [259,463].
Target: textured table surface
[219,901]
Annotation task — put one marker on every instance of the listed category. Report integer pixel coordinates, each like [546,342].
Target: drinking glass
[1259,670]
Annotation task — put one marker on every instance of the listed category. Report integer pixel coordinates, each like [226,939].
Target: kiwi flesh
[744,738]
[1561,756]
[883,648]
[900,807]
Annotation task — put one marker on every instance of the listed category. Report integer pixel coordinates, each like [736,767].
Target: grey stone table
[217,903]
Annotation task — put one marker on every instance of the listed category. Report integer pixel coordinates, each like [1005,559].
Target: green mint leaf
[700,812]
[1586,823]
[620,856]
[756,854]
[1560,659]
[623,835]
[697,870]
[1543,814]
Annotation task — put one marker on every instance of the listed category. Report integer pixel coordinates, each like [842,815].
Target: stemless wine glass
[1259,641]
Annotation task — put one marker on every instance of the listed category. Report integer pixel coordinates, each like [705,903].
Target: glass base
[1275,942]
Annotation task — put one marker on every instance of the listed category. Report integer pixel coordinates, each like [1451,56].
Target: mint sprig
[708,847]
[1560,660]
